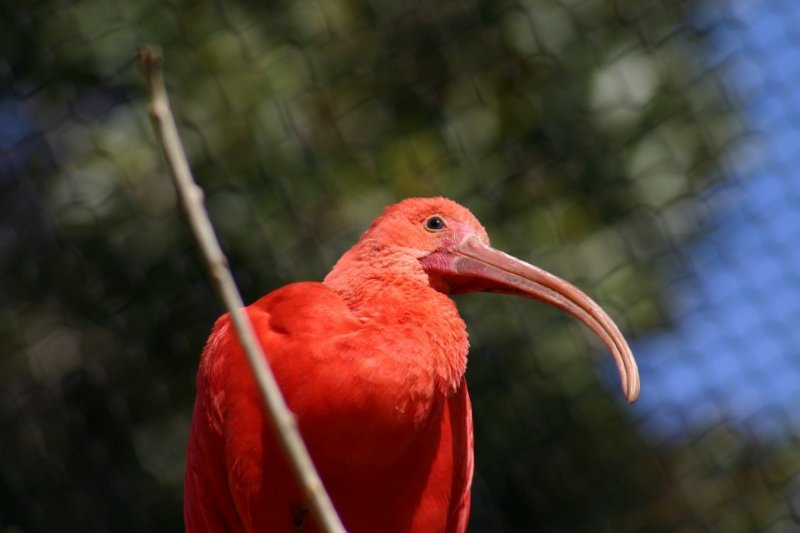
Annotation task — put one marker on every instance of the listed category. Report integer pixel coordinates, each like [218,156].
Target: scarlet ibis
[371,361]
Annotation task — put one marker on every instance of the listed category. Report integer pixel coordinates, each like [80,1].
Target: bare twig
[150,60]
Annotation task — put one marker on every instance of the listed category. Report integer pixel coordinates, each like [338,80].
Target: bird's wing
[208,503]
[460,514]
[225,468]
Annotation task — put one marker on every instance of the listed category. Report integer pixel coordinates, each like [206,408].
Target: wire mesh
[643,150]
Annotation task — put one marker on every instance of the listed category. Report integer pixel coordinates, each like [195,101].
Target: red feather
[371,362]
[393,450]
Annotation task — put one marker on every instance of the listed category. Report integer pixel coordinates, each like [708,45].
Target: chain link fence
[645,151]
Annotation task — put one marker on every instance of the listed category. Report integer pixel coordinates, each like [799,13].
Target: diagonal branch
[150,60]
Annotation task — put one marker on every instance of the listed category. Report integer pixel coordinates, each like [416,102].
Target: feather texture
[372,364]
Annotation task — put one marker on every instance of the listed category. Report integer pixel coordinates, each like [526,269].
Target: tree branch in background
[150,61]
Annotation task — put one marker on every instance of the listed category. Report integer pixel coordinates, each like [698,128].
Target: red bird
[371,361]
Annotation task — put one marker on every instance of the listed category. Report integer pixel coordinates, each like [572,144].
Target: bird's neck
[423,322]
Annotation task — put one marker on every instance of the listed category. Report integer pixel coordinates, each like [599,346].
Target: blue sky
[734,354]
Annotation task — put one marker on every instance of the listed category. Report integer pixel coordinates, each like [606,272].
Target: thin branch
[150,60]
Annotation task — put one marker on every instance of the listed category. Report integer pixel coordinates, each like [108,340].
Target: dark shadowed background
[645,150]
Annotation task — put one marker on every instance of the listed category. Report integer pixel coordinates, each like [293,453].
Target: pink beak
[472,266]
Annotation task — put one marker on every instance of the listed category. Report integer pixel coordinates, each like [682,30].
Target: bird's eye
[434,223]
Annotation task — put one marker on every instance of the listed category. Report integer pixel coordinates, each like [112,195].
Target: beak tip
[632,394]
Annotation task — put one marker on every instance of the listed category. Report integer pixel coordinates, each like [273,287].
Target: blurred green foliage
[581,132]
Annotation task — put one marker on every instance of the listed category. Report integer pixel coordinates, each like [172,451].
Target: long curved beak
[491,270]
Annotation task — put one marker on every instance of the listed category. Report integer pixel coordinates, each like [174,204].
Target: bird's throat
[417,326]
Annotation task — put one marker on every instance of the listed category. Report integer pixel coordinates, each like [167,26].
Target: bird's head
[443,242]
